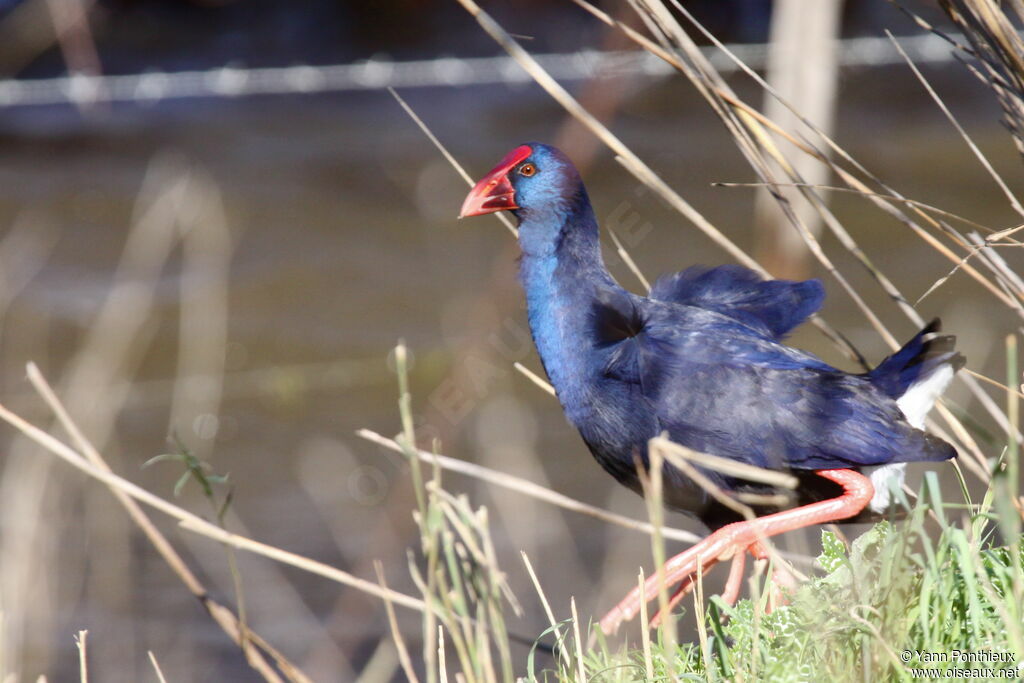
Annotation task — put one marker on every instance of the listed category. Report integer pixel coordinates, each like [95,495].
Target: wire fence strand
[379,74]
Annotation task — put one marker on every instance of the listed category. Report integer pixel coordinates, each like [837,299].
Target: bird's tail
[917,374]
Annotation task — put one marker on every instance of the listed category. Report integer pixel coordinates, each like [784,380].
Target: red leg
[738,537]
[735,581]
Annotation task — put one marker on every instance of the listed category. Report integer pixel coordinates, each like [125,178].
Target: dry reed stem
[728,466]
[701,619]
[403,652]
[83,658]
[999,48]
[382,664]
[651,484]
[559,638]
[645,631]
[505,220]
[628,260]
[535,378]
[994,235]
[442,667]
[156,667]
[1005,276]
[581,671]
[982,159]
[677,460]
[529,488]
[203,528]
[883,202]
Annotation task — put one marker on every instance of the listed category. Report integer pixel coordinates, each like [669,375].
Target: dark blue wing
[774,307]
[719,387]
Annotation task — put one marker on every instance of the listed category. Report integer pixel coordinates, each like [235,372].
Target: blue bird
[702,360]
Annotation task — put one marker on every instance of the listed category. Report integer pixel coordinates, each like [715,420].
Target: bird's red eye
[527,170]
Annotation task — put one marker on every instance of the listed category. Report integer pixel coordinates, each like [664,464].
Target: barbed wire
[376,74]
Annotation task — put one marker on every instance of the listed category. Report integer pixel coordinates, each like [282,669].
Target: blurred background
[216,223]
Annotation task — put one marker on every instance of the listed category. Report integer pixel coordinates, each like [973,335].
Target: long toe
[682,591]
[681,569]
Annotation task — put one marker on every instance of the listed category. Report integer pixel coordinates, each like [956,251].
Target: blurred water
[345,240]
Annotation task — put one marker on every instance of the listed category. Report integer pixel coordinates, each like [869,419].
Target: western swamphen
[701,359]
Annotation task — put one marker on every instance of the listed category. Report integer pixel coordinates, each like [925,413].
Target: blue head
[542,188]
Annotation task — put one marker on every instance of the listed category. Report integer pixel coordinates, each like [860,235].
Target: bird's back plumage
[719,384]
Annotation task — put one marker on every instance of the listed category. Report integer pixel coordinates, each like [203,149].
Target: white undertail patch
[884,478]
[921,396]
[915,405]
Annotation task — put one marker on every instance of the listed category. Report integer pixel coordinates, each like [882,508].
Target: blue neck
[561,271]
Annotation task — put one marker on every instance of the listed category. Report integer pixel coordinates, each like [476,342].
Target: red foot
[730,594]
[733,541]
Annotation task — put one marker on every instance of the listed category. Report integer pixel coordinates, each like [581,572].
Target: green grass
[895,600]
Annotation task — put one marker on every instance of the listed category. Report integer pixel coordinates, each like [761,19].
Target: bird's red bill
[494,192]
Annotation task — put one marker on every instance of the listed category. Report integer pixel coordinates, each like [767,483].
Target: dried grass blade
[530,489]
